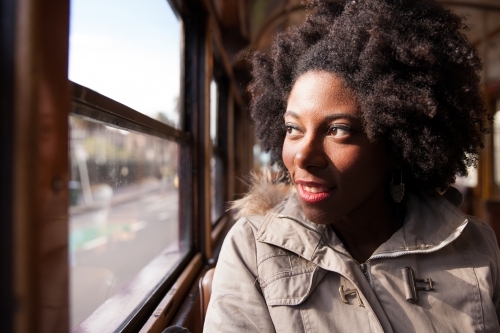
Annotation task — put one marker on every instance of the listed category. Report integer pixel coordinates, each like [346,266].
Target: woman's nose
[311,154]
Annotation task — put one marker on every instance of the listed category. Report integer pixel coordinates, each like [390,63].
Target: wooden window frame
[133,312]
[91,104]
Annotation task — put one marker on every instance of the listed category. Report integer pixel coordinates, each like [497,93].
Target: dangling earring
[288,178]
[397,190]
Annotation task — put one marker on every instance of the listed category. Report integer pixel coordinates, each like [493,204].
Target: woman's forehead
[321,87]
[314,78]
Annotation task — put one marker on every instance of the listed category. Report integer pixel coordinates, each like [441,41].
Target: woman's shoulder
[245,227]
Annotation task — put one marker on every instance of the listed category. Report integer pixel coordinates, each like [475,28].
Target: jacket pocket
[283,284]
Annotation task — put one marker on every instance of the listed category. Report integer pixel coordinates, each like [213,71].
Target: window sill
[116,312]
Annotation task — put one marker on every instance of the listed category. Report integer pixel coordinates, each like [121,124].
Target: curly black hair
[415,77]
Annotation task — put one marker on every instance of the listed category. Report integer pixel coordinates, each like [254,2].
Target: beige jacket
[281,273]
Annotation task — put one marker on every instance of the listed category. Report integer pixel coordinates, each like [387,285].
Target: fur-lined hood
[265,193]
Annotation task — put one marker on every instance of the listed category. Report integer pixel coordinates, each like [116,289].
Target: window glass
[216,163]
[214,109]
[124,211]
[261,159]
[469,181]
[496,145]
[129,51]
[217,188]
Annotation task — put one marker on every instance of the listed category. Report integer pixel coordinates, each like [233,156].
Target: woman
[372,107]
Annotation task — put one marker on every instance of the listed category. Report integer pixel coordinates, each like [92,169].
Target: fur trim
[264,194]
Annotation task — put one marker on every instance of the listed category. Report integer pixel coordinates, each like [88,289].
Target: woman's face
[338,173]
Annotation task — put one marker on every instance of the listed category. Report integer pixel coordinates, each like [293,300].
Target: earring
[397,190]
[288,178]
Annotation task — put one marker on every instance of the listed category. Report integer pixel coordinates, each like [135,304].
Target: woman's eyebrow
[330,117]
[336,116]
[291,114]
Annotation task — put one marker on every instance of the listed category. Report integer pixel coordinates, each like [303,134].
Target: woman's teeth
[314,189]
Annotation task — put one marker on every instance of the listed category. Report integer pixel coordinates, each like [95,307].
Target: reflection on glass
[129,51]
[261,159]
[214,91]
[217,188]
[496,144]
[124,209]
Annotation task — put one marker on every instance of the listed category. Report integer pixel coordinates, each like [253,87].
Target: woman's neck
[363,231]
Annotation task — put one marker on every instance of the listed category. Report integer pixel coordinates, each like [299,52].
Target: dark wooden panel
[41,166]
[189,314]
[472,4]
[7,35]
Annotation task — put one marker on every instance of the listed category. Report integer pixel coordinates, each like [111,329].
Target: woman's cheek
[287,155]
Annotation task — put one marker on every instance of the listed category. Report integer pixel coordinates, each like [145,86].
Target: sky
[128,50]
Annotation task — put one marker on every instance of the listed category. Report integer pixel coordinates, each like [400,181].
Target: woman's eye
[340,131]
[291,130]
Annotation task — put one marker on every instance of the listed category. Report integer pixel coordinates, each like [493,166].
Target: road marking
[134,227]
[162,216]
[95,243]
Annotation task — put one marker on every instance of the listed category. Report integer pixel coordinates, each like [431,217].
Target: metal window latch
[411,286]
[348,292]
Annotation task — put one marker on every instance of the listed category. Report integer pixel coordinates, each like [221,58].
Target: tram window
[128,51]
[261,159]
[217,188]
[128,231]
[214,110]
[496,144]
[469,181]
[124,210]
[216,162]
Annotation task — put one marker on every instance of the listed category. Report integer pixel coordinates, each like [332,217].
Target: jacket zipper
[454,235]
[364,269]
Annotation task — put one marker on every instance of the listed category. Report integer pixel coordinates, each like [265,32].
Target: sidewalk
[120,195]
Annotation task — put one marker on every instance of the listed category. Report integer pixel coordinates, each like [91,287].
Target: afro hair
[415,77]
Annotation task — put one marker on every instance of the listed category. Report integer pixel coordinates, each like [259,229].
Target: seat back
[205,287]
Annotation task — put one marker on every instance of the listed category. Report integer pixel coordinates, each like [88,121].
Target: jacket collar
[431,223]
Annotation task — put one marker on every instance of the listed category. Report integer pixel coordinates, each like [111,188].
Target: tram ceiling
[252,25]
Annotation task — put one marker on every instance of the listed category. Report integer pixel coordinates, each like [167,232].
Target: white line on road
[162,216]
[95,243]
[134,227]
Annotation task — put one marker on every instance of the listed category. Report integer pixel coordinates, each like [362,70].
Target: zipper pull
[364,269]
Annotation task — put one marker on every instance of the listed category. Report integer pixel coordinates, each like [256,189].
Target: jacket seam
[305,225]
[476,292]
[305,319]
[287,274]
[267,218]
[257,285]
[271,255]
[320,242]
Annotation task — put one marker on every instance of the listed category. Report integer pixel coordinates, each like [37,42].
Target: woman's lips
[310,192]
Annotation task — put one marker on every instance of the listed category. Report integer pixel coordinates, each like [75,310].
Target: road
[110,245]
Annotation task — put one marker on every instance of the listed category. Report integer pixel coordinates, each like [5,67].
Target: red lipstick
[312,192]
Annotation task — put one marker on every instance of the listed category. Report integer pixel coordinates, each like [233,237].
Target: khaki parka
[279,272]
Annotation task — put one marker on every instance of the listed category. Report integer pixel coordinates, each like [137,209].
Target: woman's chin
[318,214]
